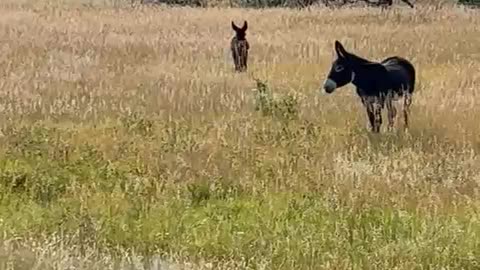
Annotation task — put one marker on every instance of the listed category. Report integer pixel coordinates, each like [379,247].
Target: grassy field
[128,141]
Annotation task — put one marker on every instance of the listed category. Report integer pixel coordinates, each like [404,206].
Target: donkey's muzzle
[329,86]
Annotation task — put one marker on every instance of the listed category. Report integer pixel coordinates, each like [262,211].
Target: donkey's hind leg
[406,107]
[371,117]
[392,111]
[378,116]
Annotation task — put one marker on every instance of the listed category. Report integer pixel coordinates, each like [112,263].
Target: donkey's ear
[341,52]
[234,27]
[245,26]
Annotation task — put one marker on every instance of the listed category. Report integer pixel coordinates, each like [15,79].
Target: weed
[283,107]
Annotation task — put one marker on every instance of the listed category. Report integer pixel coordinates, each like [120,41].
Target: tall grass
[127,140]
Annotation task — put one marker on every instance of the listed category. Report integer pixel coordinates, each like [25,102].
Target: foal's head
[341,73]
[240,32]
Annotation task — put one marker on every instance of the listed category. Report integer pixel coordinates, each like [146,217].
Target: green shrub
[238,3]
[281,107]
[274,3]
[469,2]
[138,123]
[191,3]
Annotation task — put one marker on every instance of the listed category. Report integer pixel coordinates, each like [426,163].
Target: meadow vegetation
[128,140]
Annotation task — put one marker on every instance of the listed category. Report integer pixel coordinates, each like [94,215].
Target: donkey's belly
[397,95]
[379,96]
[399,80]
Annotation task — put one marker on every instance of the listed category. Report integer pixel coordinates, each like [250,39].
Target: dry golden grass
[152,91]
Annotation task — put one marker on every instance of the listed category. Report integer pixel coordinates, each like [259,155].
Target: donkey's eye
[339,68]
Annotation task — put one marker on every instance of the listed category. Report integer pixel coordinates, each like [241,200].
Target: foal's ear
[234,27]
[245,26]
[341,52]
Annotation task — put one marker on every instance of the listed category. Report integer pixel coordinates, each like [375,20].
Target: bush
[281,107]
[469,2]
[190,3]
[237,3]
[275,3]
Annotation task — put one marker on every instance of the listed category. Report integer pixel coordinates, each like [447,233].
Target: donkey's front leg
[372,115]
[374,109]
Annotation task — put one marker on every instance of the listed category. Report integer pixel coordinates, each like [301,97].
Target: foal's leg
[392,111]
[406,107]
[236,57]
[244,59]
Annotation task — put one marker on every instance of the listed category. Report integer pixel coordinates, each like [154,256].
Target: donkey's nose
[329,86]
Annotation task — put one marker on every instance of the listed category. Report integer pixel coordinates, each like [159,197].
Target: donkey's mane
[360,60]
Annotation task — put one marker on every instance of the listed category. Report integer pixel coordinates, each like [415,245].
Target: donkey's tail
[411,71]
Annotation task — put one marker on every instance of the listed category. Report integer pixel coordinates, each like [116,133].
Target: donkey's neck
[240,37]
[369,76]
